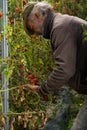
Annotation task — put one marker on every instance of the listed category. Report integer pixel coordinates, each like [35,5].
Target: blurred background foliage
[30,61]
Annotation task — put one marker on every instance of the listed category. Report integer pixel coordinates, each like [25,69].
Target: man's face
[35,27]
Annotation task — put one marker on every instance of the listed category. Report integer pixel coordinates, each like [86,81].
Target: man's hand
[35,88]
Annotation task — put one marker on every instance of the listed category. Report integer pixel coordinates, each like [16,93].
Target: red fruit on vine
[12,21]
[31,76]
[35,80]
[24,2]
[17,10]
[1,14]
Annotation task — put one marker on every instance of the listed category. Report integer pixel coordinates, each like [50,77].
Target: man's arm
[65,53]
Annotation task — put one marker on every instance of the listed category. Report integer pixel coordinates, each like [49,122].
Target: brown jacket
[66,34]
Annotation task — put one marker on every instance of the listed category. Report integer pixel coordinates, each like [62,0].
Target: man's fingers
[32,86]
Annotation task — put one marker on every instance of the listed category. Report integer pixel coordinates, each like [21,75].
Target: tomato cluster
[33,79]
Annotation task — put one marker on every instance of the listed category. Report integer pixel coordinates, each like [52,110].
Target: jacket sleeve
[65,49]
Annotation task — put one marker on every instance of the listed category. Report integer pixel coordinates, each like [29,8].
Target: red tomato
[24,2]
[35,80]
[31,76]
[1,15]
[12,21]
[17,10]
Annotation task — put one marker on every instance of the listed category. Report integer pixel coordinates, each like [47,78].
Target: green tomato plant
[30,61]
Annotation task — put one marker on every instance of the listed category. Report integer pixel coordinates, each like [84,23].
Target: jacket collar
[48,23]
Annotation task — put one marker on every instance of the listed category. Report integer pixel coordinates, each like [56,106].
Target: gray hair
[42,8]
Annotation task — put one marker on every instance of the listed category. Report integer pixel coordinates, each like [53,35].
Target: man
[68,40]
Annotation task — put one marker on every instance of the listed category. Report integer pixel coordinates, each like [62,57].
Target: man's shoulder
[61,24]
[61,20]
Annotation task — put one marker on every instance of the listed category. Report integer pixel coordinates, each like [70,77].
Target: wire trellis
[4,54]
